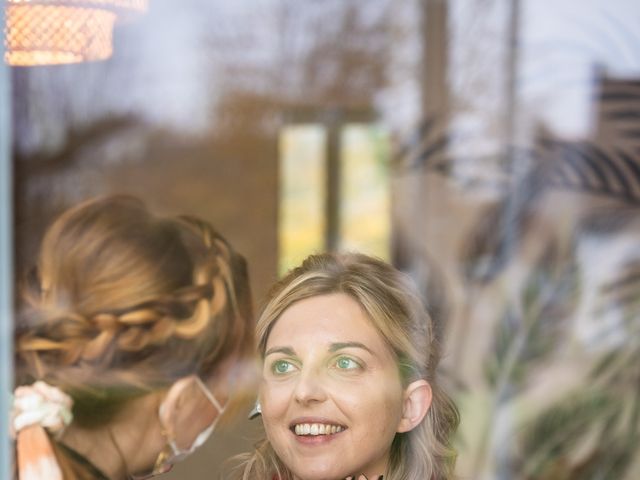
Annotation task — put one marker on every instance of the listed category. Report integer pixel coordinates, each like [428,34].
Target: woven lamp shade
[58,32]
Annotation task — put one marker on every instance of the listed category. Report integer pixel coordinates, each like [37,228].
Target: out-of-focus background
[489,148]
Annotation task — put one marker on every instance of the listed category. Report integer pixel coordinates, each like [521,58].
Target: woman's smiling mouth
[315,429]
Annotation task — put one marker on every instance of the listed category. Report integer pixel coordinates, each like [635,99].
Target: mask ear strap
[209,394]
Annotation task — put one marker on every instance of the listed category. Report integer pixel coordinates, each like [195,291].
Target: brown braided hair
[123,303]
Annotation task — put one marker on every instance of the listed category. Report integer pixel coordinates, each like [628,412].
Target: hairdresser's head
[123,304]
[350,356]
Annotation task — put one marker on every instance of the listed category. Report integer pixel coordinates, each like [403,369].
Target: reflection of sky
[599,325]
[172,64]
[189,54]
[167,69]
[166,60]
[173,52]
[563,43]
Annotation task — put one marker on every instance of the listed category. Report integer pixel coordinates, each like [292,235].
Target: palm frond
[531,327]
[594,433]
[591,169]
[494,239]
[425,149]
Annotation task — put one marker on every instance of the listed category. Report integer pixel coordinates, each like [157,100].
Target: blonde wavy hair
[396,311]
[123,303]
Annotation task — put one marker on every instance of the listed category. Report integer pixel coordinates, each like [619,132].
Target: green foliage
[594,433]
[532,325]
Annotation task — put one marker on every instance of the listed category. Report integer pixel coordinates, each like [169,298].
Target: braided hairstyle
[123,303]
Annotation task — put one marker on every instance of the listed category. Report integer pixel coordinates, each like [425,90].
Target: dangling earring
[257,410]
[161,464]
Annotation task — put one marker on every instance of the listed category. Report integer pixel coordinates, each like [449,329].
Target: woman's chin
[320,472]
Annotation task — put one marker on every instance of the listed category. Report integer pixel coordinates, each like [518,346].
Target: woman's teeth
[317,429]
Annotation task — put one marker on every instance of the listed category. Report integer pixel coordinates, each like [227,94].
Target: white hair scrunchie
[40,404]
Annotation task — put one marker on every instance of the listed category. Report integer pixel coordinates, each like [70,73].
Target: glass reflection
[514,182]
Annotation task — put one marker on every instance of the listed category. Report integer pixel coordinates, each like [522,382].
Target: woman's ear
[416,403]
[187,409]
[174,403]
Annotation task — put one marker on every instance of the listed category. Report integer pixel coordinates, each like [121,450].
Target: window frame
[6,261]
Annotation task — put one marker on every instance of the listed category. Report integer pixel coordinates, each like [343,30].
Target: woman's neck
[127,445]
[361,476]
[372,472]
[97,447]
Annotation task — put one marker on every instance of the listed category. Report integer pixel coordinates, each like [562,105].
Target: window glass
[365,211]
[301,211]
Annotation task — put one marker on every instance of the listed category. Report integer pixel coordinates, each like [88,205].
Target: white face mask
[178,453]
[166,459]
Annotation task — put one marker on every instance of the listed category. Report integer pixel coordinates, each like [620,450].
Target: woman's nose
[309,388]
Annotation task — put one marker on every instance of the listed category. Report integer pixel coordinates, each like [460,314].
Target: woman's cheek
[274,399]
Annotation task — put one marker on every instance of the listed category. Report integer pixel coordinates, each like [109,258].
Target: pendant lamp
[50,32]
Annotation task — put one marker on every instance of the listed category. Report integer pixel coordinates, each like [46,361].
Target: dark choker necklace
[82,461]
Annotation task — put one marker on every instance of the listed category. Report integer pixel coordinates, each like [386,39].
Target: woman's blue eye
[281,366]
[345,363]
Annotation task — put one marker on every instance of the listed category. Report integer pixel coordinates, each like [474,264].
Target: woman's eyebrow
[285,350]
[340,345]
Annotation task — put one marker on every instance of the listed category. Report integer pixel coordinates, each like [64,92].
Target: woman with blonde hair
[349,386]
[133,342]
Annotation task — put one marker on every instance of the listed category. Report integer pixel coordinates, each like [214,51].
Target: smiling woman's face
[331,393]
